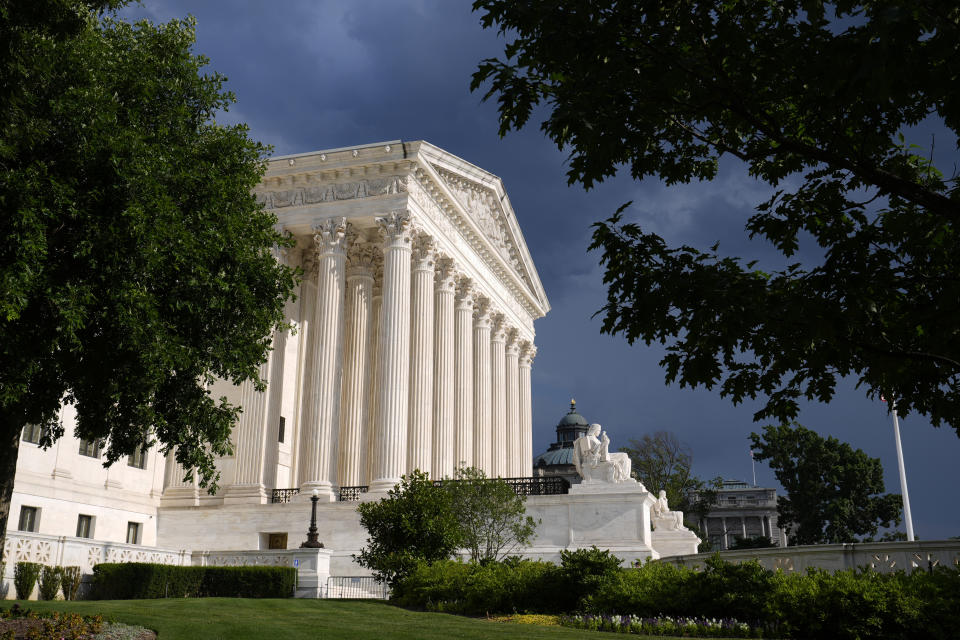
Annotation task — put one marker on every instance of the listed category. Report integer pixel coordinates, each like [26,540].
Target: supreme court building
[412,347]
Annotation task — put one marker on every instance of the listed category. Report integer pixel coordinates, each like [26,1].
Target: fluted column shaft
[527,354]
[373,400]
[419,435]
[393,386]
[354,416]
[442,464]
[512,384]
[248,444]
[307,428]
[176,490]
[463,374]
[330,239]
[498,396]
[482,429]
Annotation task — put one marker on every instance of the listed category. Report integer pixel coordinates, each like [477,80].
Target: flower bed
[664,626]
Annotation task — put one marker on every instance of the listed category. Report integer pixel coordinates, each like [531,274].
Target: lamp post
[312,541]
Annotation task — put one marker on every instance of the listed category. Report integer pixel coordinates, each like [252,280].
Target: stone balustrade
[885,557]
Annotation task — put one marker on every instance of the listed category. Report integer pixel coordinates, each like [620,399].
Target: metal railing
[534,486]
[351,494]
[356,587]
[283,496]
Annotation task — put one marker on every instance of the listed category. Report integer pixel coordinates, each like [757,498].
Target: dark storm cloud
[313,75]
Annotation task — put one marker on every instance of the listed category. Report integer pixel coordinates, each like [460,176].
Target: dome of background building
[558,459]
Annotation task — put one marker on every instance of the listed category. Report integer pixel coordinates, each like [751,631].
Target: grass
[239,619]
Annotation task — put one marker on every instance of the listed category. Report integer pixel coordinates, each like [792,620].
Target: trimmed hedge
[141,580]
[818,604]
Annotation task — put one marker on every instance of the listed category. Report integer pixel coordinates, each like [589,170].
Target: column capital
[424,252]
[499,328]
[363,259]
[482,312]
[329,235]
[309,262]
[528,351]
[444,278]
[396,229]
[466,293]
[513,345]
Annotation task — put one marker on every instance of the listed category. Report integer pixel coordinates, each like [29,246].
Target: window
[133,533]
[84,526]
[283,428]
[90,448]
[138,459]
[32,433]
[29,518]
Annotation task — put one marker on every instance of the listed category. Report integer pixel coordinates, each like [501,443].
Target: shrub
[137,580]
[583,571]
[477,589]
[49,583]
[70,578]
[24,577]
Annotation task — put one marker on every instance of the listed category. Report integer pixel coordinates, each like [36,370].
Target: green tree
[416,521]
[813,98]
[834,492]
[662,462]
[135,264]
[492,517]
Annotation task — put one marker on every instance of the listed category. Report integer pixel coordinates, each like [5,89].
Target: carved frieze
[300,196]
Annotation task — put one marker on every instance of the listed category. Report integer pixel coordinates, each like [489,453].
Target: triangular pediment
[497,222]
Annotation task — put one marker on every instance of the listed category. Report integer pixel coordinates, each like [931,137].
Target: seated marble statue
[595,463]
[664,519]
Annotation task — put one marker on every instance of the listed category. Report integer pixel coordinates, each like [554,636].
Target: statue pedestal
[597,487]
[679,542]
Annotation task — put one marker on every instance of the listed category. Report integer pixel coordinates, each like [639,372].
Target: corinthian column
[498,396]
[373,400]
[527,353]
[393,384]
[482,429]
[512,383]
[354,413]
[443,396]
[249,443]
[306,436]
[463,374]
[419,437]
[321,450]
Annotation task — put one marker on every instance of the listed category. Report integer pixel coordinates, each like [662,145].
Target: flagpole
[903,474]
[753,463]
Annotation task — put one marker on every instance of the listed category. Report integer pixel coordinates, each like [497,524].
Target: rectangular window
[84,526]
[32,433]
[283,428]
[28,519]
[133,533]
[90,448]
[138,459]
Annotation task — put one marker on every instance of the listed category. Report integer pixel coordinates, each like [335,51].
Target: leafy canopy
[492,517]
[415,522]
[834,492]
[813,98]
[135,265]
[423,520]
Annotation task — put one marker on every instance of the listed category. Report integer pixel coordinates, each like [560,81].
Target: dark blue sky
[312,75]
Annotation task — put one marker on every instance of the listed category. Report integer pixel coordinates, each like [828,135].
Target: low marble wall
[884,557]
[67,551]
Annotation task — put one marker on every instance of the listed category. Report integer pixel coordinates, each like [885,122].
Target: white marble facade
[412,348]
[414,329]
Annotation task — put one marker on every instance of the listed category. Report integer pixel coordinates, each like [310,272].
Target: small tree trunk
[8,470]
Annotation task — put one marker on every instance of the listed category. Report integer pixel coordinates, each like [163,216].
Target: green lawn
[237,619]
